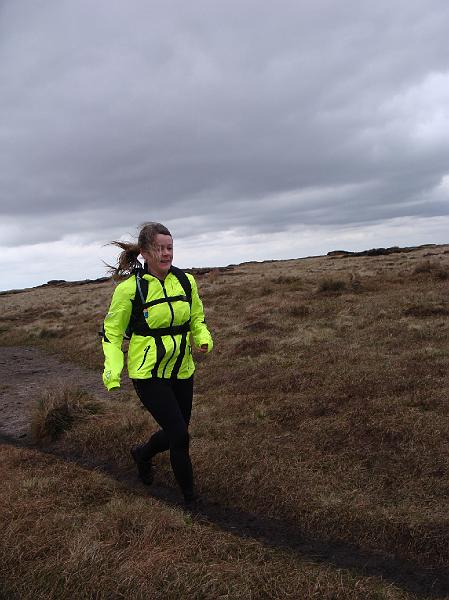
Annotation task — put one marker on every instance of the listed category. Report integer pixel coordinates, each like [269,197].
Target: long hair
[127,259]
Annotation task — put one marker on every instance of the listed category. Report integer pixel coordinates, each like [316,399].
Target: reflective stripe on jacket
[166,356]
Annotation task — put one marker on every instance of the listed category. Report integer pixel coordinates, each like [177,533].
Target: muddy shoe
[144,467]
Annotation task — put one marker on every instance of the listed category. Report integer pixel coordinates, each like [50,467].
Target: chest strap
[160,331]
[167,299]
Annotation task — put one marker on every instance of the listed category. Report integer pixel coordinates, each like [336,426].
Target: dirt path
[25,371]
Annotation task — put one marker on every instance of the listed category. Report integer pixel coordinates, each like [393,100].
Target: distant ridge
[56,282]
[65,283]
[204,270]
[380,251]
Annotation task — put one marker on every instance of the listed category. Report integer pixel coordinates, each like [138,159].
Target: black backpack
[137,323]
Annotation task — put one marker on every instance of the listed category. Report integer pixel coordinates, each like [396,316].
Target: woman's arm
[200,333]
[115,324]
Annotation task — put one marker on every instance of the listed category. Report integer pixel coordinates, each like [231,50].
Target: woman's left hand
[203,348]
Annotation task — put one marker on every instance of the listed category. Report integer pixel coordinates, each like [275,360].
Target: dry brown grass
[72,533]
[57,410]
[324,409]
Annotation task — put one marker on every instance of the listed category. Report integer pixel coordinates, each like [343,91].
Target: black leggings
[170,404]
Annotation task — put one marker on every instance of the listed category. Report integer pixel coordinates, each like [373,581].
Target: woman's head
[154,243]
[148,234]
[156,247]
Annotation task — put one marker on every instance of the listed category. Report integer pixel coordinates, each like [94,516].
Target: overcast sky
[253,130]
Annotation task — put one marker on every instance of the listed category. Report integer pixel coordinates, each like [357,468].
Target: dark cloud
[227,115]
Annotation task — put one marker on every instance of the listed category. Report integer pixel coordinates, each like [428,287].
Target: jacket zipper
[171,324]
[144,357]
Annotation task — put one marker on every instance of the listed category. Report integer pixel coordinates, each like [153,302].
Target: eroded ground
[24,373]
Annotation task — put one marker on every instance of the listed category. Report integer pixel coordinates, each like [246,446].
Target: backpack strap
[137,303]
[138,324]
[141,287]
[184,281]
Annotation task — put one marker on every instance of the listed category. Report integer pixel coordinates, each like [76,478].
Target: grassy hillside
[323,408]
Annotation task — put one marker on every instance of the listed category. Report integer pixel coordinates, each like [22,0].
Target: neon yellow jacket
[166,356]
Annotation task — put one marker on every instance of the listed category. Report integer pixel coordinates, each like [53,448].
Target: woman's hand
[203,348]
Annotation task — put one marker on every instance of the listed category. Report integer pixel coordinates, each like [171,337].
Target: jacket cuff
[113,386]
[110,382]
[207,341]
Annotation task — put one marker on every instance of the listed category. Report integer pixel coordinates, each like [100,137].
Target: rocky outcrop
[378,251]
[63,282]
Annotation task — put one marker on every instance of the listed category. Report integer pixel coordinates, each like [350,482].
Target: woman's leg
[170,405]
[183,390]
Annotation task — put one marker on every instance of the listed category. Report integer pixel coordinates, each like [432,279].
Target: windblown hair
[127,259]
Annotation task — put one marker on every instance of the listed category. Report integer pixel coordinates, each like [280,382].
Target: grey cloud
[208,109]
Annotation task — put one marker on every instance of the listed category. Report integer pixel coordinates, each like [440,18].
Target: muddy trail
[24,372]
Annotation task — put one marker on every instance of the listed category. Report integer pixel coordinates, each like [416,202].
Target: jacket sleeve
[115,324]
[198,327]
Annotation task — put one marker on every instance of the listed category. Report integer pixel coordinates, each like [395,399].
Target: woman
[160,305]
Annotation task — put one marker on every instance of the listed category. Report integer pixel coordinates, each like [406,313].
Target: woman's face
[160,259]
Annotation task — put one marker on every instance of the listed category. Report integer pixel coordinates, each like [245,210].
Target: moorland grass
[57,410]
[326,409]
[68,532]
